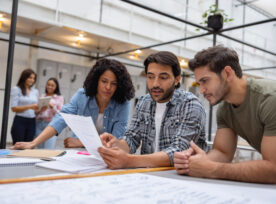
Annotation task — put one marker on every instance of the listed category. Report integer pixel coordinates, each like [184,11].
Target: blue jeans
[51,142]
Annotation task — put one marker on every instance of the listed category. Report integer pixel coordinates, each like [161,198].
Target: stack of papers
[74,164]
[85,129]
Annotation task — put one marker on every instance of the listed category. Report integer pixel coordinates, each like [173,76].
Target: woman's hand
[71,142]
[43,108]
[23,145]
[51,105]
[34,107]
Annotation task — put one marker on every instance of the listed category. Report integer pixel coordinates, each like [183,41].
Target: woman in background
[46,113]
[24,100]
[104,97]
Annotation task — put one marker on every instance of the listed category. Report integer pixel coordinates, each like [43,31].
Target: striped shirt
[184,120]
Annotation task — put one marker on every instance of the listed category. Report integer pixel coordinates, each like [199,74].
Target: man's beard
[167,94]
[221,93]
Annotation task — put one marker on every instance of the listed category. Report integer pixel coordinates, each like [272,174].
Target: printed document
[86,131]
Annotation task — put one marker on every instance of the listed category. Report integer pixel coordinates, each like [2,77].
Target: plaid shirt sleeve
[190,127]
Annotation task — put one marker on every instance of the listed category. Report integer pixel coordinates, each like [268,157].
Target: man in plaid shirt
[165,120]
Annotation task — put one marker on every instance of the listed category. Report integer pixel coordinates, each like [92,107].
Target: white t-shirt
[99,123]
[159,112]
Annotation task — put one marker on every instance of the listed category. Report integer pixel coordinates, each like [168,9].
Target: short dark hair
[125,89]
[57,90]
[165,58]
[216,58]
[23,77]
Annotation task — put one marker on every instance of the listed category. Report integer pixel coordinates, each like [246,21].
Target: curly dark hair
[23,77]
[165,58]
[216,58]
[125,89]
[57,90]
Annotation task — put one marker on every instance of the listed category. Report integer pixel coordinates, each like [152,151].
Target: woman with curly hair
[105,97]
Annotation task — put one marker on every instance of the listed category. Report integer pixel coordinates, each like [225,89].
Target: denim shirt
[18,99]
[115,117]
[184,120]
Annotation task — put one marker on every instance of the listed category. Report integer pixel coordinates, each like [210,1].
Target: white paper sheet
[72,162]
[86,131]
[75,164]
[134,188]
[44,101]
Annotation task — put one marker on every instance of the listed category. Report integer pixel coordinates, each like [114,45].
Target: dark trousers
[23,129]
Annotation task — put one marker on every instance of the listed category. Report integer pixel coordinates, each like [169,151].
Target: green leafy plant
[213,10]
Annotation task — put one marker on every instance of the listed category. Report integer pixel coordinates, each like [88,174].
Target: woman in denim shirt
[24,100]
[104,97]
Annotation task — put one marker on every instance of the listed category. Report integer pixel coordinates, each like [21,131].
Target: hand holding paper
[86,131]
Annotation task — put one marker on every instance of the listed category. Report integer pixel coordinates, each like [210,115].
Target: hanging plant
[215,18]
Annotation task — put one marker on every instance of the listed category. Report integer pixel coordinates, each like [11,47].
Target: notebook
[8,162]
[38,153]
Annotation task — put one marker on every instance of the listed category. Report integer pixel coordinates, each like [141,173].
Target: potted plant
[215,18]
